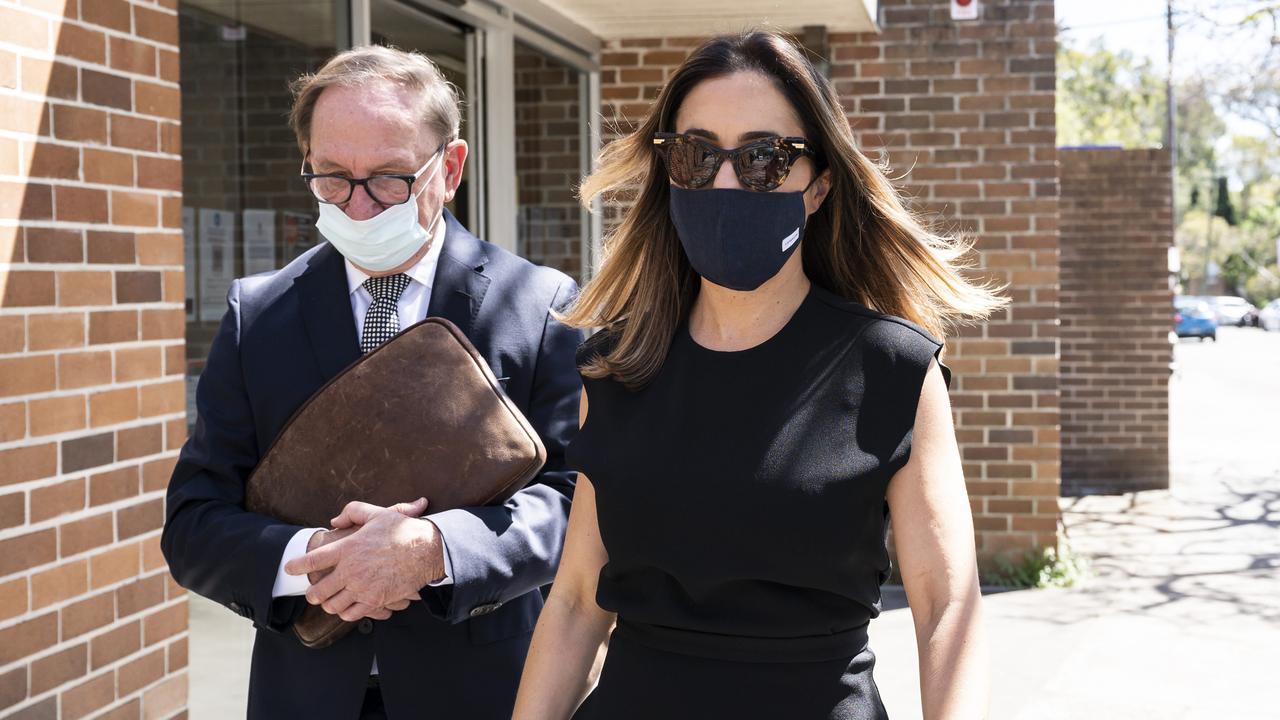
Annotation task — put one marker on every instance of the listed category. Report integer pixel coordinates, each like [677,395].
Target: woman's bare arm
[561,666]
[933,535]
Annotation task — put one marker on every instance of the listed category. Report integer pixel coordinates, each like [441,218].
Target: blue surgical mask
[384,241]
[738,239]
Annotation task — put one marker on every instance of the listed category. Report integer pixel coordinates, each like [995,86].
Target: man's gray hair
[373,63]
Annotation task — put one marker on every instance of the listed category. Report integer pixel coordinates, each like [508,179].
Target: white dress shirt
[411,308]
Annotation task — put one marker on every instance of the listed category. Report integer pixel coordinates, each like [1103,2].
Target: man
[445,604]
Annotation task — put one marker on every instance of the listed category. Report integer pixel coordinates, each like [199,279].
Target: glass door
[452,47]
[524,89]
[551,144]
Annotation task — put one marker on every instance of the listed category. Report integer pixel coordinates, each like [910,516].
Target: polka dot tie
[381,321]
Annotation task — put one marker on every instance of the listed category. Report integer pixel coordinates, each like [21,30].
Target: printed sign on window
[217,261]
[259,241]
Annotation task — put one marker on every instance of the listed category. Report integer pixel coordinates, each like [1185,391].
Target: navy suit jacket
[459,651]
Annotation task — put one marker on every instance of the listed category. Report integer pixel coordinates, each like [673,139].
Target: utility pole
[1170,126]
[1170,130]
[1208,235]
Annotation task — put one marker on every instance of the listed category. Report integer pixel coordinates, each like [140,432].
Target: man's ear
[455,159]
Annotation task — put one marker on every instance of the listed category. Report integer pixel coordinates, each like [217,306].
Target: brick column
[91,358]
[1117,310]
[964,114]
[548,162]
[964,111]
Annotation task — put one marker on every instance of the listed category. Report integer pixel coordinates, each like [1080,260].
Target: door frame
[497,28]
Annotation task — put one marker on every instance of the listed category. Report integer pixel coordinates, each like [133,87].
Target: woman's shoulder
[872,325]
[887,341]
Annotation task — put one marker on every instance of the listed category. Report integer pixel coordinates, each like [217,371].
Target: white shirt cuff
[448,565]
[287,585]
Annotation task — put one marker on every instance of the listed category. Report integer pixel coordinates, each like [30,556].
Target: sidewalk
[1181,618]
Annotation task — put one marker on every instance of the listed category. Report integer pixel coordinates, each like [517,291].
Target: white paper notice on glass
[259,241]
[299,234]
[189,258]
[193,381]
[217,261]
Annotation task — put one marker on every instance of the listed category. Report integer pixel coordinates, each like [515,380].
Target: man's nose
[726,177]
[362,206]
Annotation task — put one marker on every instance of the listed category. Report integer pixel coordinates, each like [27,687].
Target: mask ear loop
[813,180]
[816,174]
[431,231]
[431,160]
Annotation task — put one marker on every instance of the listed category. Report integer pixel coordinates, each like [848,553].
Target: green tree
[1224,208]
[1108,98]
[1241,253]
[1199,127]
[1255,163]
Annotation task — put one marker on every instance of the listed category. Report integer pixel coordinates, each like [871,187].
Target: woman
[749,423]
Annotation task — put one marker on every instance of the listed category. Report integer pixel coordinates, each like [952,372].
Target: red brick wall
[91,358]
[1117,310]
[964,113]
[548,161]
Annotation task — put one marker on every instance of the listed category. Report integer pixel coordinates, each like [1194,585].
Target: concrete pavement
[1181,618]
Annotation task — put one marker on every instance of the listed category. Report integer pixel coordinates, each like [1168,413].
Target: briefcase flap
[420,416]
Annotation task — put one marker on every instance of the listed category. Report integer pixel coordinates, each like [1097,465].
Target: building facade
[145,162]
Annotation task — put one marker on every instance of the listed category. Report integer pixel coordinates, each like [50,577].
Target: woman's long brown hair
[862,243]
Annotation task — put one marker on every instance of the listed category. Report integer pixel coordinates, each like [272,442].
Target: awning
[613,19]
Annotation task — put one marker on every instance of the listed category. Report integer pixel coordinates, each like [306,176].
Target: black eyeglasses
[390,189]
[761,165]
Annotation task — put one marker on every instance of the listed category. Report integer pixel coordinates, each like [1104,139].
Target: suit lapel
[460,282]
[326,311]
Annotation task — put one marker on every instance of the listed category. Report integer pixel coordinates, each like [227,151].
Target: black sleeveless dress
[741,500]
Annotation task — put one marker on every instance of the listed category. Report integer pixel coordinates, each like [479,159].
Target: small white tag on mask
[790,240]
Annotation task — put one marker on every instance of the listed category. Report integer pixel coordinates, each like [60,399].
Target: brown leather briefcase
[420,416]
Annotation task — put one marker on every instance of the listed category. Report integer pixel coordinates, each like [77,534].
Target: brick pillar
[91,358]
[1117,310]
[548,162]
[964,114]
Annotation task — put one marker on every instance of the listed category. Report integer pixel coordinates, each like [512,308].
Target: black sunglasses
[761,165]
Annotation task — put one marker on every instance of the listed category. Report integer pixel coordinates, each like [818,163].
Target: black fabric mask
[738,238]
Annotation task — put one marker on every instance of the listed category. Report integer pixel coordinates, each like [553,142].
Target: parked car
[1269,315]
[1193,317]
[1232,310]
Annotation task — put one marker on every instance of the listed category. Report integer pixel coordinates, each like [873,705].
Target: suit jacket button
[365,626]
[235,608]
[479,610]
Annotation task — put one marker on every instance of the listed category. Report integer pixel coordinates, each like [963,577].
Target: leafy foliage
[1108,98]
[1040,569]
